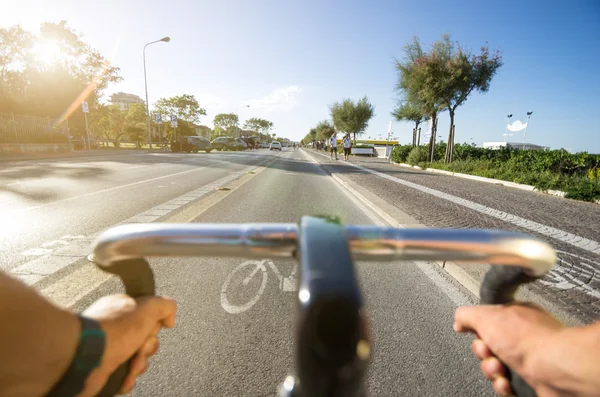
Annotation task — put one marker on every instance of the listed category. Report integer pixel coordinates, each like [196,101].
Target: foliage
[185,106]
[576,174]
[408,111]
[49,73]
[259,125]
[352,117]
[226,124]
[417,155]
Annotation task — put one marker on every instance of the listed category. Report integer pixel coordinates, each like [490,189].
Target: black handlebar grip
[499,286]
[138,279]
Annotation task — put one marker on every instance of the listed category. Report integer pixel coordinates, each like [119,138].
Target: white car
[275,146]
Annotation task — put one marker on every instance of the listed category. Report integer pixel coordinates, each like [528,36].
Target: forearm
[568,363]
[37,340]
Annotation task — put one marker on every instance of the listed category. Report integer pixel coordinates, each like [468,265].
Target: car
[251,142]
[265,145]
[191,144]
[243,144]
[226,143]
[275,146]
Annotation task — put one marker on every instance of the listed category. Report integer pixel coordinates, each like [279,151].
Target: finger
[159,309]
[492,368]
[502,387]
[150,347]
[480,349]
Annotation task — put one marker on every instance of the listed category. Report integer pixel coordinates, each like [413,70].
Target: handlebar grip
[138,279]
[499,286]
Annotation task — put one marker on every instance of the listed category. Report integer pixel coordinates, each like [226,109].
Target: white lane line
[110,189]
[381,218]
[36,270]
[558,234]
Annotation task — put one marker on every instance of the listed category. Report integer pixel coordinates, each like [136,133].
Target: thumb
[474,318]
[157,309]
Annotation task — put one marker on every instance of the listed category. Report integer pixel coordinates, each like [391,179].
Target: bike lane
[235,328]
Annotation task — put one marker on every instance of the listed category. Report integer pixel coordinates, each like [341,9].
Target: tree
[443,79]
[50,72]
[416,73]
[261,126]
[324,129]
[463,73]
[410,112]
[185,106]
[226,123]
[352,117]
[135,118]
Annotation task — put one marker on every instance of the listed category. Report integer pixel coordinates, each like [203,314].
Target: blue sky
[290,59]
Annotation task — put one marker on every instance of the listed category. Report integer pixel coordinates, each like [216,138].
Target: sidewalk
[78,153]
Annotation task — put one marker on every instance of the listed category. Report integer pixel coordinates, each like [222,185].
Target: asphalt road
[232,349]
[43,201]
[232,337]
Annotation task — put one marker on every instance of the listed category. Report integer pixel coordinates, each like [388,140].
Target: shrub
[417,155]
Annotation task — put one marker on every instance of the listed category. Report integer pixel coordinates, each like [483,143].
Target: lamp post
[526,125]
[166,40]
[508,116]
[236,110]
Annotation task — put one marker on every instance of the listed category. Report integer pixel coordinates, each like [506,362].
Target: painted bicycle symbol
[245,274]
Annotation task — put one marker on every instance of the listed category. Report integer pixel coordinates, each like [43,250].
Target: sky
[290,59]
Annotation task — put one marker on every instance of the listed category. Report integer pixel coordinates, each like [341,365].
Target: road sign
[157,118]
[174,120]
[84,107]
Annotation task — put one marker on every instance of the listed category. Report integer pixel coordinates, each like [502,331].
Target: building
[124,100]
[514,145]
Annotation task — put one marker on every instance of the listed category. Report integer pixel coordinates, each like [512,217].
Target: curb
[500,182]
[98,152]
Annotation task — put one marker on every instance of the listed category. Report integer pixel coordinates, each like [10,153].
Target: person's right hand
[521,336]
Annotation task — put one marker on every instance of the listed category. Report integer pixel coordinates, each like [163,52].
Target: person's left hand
[131,327]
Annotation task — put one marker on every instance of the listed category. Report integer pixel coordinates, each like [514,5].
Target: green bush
[417,155]
[581,188]
[400,153]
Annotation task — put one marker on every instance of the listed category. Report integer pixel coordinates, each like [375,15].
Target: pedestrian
[347,147]
[333,146]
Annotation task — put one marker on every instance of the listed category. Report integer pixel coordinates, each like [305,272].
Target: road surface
[235,338]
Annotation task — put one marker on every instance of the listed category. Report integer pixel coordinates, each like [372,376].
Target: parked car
[265,145]
[251,142]
[243,143]
[191,144]
[275,146]
[226,143]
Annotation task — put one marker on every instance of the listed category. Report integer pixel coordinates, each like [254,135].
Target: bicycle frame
[332,337]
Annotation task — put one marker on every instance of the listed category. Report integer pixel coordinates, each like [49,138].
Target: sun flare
[47,52]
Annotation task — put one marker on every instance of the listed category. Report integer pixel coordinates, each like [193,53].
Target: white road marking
[561,235]
[286,284]
[34,271]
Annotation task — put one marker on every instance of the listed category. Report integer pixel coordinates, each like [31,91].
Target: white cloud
[278,99]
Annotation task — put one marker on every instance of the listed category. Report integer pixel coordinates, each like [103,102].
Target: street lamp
[238,108]
[526,125]
[508,116]
[166,40]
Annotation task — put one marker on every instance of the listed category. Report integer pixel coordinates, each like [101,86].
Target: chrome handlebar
[329,291]
[280,240]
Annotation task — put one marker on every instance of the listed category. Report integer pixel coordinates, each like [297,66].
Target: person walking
[347,147]
[333,146]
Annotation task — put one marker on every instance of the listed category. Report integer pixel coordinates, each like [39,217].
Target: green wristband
[87,357]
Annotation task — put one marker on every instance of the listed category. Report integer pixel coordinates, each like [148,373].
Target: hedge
[578,174]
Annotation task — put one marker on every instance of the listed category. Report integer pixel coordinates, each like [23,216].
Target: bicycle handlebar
[333,343]
[280,240]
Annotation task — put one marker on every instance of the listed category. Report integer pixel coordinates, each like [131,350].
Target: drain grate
[222,188]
